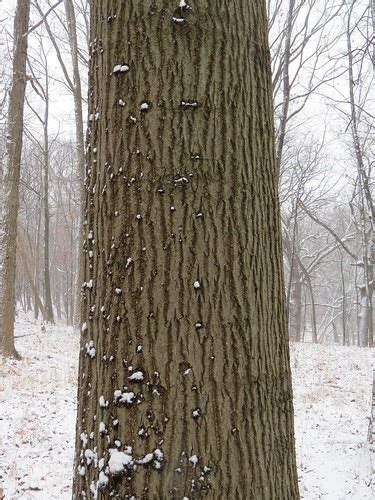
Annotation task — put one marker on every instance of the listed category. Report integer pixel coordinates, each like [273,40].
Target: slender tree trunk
[294,287]
[12,173]
[294,284]
[295,305]
[77,93]
[307,280]
[363,316]
[46,243]
[367,210]
[345,340]
[314,331]
[36,279]
[37,300]
[73,298]
[28,299]
[281,133]
[77,96]
[57,299]
[184,383]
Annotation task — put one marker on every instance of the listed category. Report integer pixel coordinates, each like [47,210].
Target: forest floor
[332,391]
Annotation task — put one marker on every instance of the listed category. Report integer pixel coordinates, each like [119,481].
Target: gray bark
[12,174]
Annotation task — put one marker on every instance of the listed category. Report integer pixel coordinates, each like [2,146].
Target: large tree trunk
[184,382]
[12,174]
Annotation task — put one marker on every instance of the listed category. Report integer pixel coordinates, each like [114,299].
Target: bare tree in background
[74,84]
[360,139]
[63,215]
[44,145]
[302,35]
[12,167]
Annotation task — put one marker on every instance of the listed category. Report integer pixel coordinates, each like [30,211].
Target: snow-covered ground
[332,388]
[332,401]
[37,413]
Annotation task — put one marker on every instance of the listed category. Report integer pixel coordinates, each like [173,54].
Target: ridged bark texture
[184,365]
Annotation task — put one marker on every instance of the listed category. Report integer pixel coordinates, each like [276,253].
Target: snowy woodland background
[323,62]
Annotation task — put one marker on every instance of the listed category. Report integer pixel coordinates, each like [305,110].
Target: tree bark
[77,92]
[184,381]
[38,304]
[344,301]
[46,241]
[363,316]
[367,209]
[12,174]
[80,143]
[281,133]
[295,307]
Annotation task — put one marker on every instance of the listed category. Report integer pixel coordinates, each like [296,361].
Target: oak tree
[184,379]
